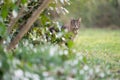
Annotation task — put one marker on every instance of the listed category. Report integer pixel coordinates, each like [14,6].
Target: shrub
[48,62]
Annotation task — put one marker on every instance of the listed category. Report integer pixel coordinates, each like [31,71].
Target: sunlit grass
[100,44]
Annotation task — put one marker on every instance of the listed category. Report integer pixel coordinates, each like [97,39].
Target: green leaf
[70,43]
[84,59]
[4,11]
[2,29]
[24,1]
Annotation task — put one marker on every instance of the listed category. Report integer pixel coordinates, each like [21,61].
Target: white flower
[74,71]
[13,1]
[56,1]
[45,74]
[63,38]
[35,50]
[91,71]
[60,52]
[52,51]
[49,78]
[70,78]
[97,69]
[57,10]
[26,43]
[86,67]
[4,42]
[51,8]
[75,62]
[15,13]
[31,46]
[81,57]
[66,52]
[65,10]
[62,1]
[32,76]
[24,78]
[35,77]
[81,72]
[59,35]
[101,74]
[18,73]
[28,74]
[67,2]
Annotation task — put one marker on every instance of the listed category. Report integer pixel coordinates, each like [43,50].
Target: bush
[48,62]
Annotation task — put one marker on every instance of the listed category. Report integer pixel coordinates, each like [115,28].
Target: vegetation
[29,51]
[101,44]
[48,61]
[102,13]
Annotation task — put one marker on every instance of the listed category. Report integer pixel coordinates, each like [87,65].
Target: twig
[28,24]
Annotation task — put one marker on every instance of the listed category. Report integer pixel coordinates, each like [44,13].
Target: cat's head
[75,25]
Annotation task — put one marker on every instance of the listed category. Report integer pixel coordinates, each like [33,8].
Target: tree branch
[13,21]
[28,24]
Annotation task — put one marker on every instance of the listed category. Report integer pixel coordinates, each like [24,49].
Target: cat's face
[75,25]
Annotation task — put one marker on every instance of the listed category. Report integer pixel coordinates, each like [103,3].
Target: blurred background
[95,13]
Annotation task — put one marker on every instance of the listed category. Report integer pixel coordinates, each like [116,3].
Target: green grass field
[101,46]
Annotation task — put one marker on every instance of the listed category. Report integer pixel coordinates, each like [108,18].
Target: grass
[47,61]
[100,46]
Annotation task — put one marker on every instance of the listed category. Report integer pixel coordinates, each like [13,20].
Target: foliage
[100,13]
[14,17]
[46,62]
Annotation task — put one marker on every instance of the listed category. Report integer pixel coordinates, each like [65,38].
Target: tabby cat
[71,27]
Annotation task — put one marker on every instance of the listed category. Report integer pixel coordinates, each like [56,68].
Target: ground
[101,46]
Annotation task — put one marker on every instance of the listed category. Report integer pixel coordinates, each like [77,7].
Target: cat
[71,27]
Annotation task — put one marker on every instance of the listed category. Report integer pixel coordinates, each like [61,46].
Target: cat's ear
[79,19]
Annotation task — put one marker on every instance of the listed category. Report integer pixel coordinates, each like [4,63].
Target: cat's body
[70,30]
[73,26]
